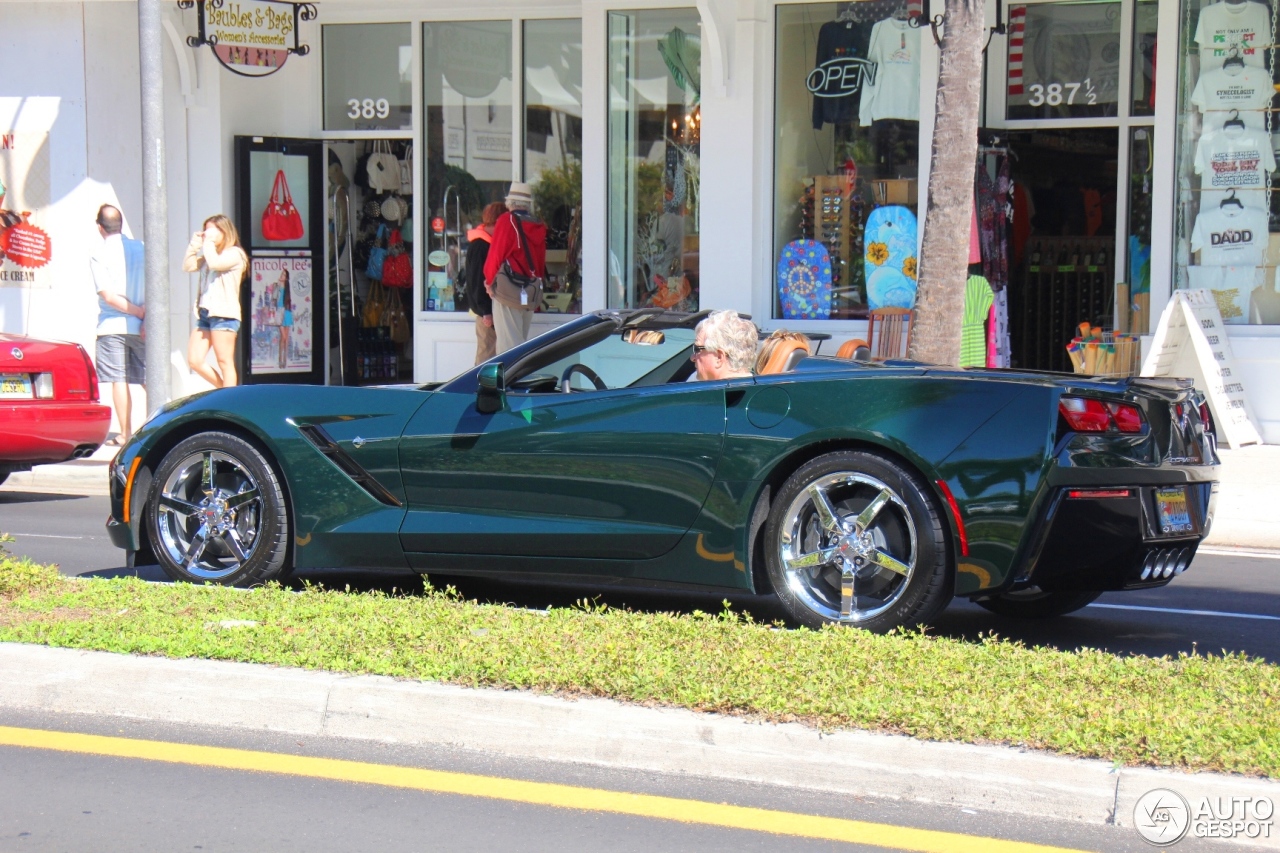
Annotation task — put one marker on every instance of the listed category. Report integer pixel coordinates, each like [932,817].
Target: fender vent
[353,469]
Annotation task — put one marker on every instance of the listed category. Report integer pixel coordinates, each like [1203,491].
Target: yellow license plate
[15,385]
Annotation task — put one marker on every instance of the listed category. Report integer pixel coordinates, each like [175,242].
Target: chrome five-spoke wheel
[853,539]
[217,512]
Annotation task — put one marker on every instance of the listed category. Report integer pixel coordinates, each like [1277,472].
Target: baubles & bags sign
[252,38]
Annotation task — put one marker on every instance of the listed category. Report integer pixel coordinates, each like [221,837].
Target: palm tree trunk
[944,254]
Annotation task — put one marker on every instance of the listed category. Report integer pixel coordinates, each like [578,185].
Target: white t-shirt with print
[1230,236]
[1234,157]
[1227,29]
[1222,90]
[895,49]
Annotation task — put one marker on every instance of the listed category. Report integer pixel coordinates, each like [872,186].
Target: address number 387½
[368,108]
[1056,94]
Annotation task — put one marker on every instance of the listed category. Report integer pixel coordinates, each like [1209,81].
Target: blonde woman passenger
[214,252]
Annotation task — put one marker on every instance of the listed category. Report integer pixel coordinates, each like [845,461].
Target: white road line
[50,536]
[1252,553]
[1189,612]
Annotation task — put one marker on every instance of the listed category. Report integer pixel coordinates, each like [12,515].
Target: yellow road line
[514,790]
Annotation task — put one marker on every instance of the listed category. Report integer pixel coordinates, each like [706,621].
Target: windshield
[616,363]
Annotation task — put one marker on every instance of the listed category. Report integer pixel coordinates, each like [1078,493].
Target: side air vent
[326,445]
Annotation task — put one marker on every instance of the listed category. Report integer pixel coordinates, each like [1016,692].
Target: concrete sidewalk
[598,732]
[1246,515]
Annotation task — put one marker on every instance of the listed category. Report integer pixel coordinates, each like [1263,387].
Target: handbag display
[375,305]
[393,208]
[397,269]
[280,219]
[513,289]
[395,319]
[406,171]
[384,168]
[377,255]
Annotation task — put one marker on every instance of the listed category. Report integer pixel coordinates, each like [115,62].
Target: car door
[616,474]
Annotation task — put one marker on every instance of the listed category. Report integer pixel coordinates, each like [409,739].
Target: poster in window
[280,306]
[25,247]
[1064,60]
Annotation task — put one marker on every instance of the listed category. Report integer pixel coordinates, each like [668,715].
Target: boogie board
[804,281]
[889,257]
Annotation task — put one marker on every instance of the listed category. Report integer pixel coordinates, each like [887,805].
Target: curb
[601,732]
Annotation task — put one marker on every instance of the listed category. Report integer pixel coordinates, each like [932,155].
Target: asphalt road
[1225,602]
[51,800]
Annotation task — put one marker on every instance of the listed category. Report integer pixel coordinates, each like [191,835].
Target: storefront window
[1133,301]
[467,95]
[1145,19]
[1064,60]
[553,151]
[655,80]
[1226,159]
[846,160]
[368,74]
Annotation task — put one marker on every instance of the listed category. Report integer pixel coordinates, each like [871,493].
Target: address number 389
[368,108]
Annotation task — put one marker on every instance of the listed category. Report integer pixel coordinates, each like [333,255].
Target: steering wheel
[566,378]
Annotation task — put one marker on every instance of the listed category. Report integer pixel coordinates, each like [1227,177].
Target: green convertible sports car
[859,493]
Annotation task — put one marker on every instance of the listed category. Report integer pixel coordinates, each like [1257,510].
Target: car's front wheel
[1036,603]
[854,539]
[217,513]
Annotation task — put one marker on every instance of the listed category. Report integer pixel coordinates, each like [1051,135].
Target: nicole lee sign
[252,38]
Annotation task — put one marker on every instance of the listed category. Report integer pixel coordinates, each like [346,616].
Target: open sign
[437,225]
[841,76]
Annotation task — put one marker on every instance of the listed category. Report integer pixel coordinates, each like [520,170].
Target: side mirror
[491,393]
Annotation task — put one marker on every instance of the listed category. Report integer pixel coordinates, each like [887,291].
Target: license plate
[15,385]
[1175,517]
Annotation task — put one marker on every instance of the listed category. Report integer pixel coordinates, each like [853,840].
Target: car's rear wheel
[854,539]
[217,513]
[1035,603]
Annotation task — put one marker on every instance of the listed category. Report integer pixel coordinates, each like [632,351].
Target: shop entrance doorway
[371,274]
[1062,258]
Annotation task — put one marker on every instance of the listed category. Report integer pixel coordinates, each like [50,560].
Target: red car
[49,409]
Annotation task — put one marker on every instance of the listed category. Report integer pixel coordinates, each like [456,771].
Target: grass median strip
[520,791]
[1193,711]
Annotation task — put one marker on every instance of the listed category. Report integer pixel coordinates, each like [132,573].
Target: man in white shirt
[119,277]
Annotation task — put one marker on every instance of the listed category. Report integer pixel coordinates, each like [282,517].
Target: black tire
[895,560]
[218,514]
[1035,603]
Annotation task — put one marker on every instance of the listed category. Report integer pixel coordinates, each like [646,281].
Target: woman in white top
[215,253]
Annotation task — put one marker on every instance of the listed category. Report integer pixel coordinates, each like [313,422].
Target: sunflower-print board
[889,257]
[804,281]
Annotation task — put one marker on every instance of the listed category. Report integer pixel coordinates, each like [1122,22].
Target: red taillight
[93,374]
[1128,418]
[1094,494]
[1083,414]
[1205,417]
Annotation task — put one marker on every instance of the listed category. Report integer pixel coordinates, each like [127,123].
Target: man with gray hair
[117,269]
[724,346]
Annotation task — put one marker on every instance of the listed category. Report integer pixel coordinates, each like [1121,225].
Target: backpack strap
[524,243]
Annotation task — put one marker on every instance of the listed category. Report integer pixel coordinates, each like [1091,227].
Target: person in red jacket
[518,238]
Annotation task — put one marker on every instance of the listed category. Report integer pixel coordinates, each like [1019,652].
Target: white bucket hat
[519,196]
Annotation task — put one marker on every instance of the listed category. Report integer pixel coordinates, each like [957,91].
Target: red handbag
[397,269]
[281,220]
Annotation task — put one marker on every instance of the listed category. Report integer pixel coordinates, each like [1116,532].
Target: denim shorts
[216,324]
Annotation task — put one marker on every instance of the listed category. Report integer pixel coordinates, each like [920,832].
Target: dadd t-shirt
[1230,236]
[1227,29]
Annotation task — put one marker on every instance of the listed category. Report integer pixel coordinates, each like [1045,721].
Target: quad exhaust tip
[1166,563]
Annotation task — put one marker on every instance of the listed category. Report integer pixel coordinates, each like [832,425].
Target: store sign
[1191,340]
[252,38]
[841,76]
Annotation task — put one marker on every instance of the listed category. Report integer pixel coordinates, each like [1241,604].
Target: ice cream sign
[252,38]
